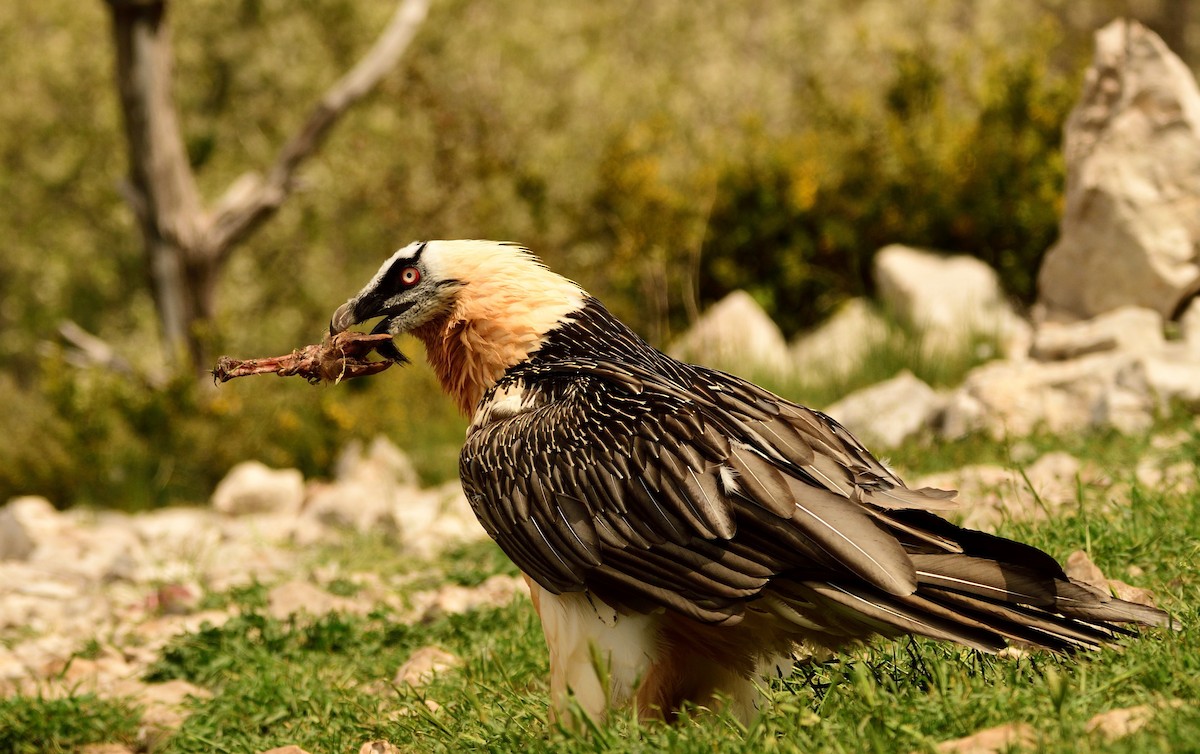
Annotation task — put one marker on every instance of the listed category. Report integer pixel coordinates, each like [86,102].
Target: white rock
[381,462]
[296,596]
[841,344]
[368,490]
[1012,399]
[177,543]
[1127,411]
[999,738]
[356,505]
[949,299]
[253,487]
[1178,477]
[96,547]
[165,707]
[39,599]
[890,412]
[431,520]
[735,335]
[25,523]
[1129,328]
[1189,326]
[1131,226]
[1174,376]
[452,599]
[1119,723]
[387,747]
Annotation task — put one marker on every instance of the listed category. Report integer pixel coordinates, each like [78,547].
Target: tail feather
[994,593]
[877,612]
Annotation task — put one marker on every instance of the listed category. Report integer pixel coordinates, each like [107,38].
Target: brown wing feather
[708,494]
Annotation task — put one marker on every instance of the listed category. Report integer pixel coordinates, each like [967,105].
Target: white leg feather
[581,629]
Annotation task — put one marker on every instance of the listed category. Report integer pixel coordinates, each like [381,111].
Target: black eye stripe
[394,278]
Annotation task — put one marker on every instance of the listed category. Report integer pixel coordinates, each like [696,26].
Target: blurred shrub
[98,438]
[796,219]
[660,153]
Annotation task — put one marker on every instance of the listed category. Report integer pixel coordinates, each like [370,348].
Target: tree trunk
[187,244]
[161,189]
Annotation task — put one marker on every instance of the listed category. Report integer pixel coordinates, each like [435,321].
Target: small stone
[1189,325]
[1010,399]
[948,298]
[989,494]
[26,522]
[1079,567]
[379,747]
[1173,377]
[993,740]
[1134,594]
[840,345]
[453,599]
[295,596]
[1119,723]
[423,665]
[381,463]
[165,709]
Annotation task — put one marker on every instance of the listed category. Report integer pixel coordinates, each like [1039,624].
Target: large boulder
[949,299]
[1131,225]
[736,335]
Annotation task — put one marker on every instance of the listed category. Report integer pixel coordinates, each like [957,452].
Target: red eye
[410,276]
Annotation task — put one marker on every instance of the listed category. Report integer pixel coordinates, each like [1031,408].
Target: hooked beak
[343,318]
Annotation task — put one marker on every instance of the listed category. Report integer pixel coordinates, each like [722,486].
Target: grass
[325,684]
[42,725]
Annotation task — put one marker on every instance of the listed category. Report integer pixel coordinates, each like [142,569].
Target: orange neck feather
[499,317]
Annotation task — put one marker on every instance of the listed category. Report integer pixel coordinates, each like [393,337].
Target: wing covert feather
[669,490]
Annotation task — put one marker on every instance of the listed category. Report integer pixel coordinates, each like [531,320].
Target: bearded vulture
[682,529]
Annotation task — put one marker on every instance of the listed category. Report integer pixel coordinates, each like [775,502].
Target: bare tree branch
[251,199]
[187,243]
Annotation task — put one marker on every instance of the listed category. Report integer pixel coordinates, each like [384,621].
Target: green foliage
[98,438]
[42,725]
[796,219]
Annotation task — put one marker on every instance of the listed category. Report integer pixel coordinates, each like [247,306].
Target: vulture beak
[343,318]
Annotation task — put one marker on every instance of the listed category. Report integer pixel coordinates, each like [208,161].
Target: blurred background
[662,154]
